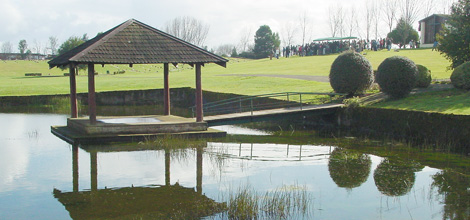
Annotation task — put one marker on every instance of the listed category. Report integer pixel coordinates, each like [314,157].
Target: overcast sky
[37,20]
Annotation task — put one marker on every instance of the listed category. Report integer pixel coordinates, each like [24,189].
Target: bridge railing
[267,101]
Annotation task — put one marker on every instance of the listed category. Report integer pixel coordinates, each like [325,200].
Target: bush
[397,76]
[460,78]
[351,73]
[424,77]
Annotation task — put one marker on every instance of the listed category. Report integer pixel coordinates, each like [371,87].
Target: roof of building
[134,42]
[434,15]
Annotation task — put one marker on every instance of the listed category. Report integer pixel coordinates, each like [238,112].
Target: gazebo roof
[134,42]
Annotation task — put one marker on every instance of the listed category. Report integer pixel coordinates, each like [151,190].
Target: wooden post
[199,170]
[73,92]
[91,93]
[166,90]
[94,170]
[167,168]
[199,112]
[75,174]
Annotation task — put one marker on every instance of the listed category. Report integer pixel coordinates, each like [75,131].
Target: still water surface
[43,177]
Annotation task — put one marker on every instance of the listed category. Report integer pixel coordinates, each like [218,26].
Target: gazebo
[134,42]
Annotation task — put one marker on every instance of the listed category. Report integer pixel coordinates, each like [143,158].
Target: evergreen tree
[234,52]
[264,42]
[403,33]
[454,39]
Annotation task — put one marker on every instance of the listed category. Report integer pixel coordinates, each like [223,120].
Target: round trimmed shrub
[351,73]
[424,77]
[396,76]
[460,78]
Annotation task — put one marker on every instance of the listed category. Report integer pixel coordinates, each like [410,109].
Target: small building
[19,56]
[10,56]
[431,26]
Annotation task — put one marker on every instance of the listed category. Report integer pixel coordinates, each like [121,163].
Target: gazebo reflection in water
[153,201]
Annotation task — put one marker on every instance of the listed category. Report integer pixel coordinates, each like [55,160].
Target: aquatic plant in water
[286,202]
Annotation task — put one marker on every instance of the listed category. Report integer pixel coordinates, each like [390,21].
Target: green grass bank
[233,79]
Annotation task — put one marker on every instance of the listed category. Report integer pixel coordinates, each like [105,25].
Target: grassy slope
[13,82]
[453,101]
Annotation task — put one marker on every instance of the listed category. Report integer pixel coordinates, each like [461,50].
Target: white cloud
[39,20]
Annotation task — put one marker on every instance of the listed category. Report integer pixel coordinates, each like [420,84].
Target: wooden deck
[271,114]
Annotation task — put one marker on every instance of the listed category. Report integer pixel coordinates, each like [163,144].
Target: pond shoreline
[443,131]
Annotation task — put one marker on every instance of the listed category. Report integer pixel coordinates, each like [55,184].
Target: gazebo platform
[132,128]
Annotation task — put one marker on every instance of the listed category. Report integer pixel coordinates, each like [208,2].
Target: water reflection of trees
[395,178]
[349,169]
[455,191]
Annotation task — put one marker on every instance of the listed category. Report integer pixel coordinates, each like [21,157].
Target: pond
[43,177]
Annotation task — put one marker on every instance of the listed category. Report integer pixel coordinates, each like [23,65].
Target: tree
[454,39]
[304,23]
[376,18]
[288,31]
[245,38]
[389,9]
[403,33]
[410,10]
[336,20]
[37,46]
[188,29]
[428,7]
[369,15]
[7,47]
[53,44]
[353,23]
[224,50]
[69,44]
[264,42]
[23,47]
[234,52]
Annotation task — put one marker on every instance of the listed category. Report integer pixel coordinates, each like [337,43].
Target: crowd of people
[330,47]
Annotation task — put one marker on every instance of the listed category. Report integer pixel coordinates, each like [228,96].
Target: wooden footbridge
[268,107]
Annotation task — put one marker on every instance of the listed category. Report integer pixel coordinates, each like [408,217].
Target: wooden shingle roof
[134,42]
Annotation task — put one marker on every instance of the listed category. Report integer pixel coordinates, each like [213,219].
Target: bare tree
[246,37]
[410,10]
[369,16]
[288,31]
[304,23]
[352,22]
[53,41]
[376,18]
[444,6]
[37,46]
[389,10]
[336,20]
[224,50]
[428,7]
[7,47]
[188,29]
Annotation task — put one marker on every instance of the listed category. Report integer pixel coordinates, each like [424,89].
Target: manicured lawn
[13,82]
[452,101]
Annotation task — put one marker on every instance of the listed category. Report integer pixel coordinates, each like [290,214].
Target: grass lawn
[13,82]
[452,101]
